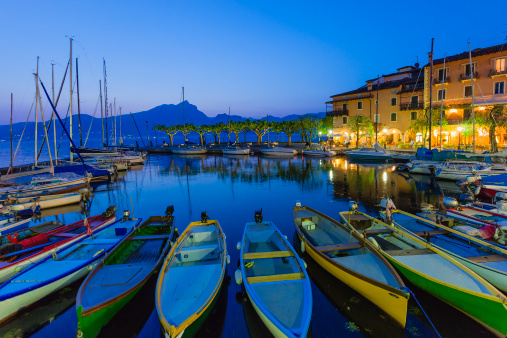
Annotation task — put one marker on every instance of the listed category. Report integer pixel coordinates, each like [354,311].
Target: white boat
[318,153]
[129,160]
[370,154]
[430,167]
[236,151]
[278,151]
[462,172]
[61,269]
[46,186]
[44,202]
[189,151]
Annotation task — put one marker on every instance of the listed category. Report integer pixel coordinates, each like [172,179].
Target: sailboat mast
[442,108]
[36,113]
[267,127]
[12,155]
[78,106]
[431,87]
[184,124]
[114,121]
[121,140]
[70,100]
[105,100]
[101,112]
[376,114]
[472,84]
[53,113]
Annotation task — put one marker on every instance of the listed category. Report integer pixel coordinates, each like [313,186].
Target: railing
[455,121]
[412,105]
[438,81]
[464,77]
[338,112]
[494,72]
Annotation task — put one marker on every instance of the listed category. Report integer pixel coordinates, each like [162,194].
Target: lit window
[360,105]
[394,117]
[499,88]
[413,116]
[500,65]
[419,137]
[393,101]
[468,91]
[440,94]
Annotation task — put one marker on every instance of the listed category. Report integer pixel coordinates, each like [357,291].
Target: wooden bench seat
[488,259]
[409,252]
[268,254]
[378,231]
[275,278]
[431,233]
[148,237]
[344,246]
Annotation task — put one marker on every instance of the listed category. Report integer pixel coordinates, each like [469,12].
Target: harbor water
[230,189]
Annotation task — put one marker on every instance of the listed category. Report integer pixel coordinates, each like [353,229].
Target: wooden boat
[488,261]
[62,268]
[122,273]
[44,202]
[41,189]
[351,259]
[191,278]
[32,245]
[14,225]
[434,271]
[275,279]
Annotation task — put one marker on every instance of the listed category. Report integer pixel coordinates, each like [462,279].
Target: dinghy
[44,202]
[434,271]
[351,259]
[62,268]
[191,278]
[275,279]
[122,273]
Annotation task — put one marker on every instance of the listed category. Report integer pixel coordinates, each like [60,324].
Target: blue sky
[257,57]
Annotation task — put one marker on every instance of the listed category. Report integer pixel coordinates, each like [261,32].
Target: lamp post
[460,129]
[320,133]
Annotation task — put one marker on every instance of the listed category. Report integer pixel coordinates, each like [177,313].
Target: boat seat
[431,233]
[275,278]
[408,252]
[63,234]
[378,231]
[488,259]
[199,253]
[148,237]
[357,217]
[271,254]
[100,241]
[344,246]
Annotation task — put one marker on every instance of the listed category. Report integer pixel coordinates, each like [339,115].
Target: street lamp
[460,129]
[320,133]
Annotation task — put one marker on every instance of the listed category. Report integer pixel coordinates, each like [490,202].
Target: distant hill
[168,114]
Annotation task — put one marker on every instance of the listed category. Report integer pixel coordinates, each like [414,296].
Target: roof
[476,52]
[385,85]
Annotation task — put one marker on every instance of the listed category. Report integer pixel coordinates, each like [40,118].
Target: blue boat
[275,279]
[487,260]
[61,269]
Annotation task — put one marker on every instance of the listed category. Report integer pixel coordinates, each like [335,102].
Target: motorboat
[278,151]
[236,151]
[189,150]
[318,153]
[462,172]
[376,153]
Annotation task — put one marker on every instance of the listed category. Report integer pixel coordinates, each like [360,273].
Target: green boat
[435,271]
[122,273]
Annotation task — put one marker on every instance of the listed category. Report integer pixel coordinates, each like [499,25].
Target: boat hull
[271,327]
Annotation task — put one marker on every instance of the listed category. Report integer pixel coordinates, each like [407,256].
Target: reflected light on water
[331,175]
[384,176]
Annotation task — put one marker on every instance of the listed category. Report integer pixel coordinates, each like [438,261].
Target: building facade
[404,100]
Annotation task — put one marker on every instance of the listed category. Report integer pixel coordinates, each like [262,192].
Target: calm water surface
[230,189]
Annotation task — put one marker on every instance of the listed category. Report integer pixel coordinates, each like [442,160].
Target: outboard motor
[467,198]
[169,214]
[353,207]
[110,211]
[126,215]
[451,203]
[258,216]
[432,170]
[204,217]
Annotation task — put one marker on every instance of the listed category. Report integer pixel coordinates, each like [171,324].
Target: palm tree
[169,130]
[289,128]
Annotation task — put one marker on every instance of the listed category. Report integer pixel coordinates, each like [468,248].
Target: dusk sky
[257,57]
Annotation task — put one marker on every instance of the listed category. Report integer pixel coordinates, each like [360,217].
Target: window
[467,69]
[344,97]
[468,91]
[360,95]
[499,65]
[394,91]
[440,94]
[499,88]
[413,116]
[394,117]
[414,99]
[376,118]
[345,120]
[419,138]
[344,107]
[393,101]
[442,73]
[360,105]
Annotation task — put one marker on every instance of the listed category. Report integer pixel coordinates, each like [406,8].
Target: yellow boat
[191,278]
[351,259]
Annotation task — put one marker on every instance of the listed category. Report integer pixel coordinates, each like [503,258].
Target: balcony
[338,112]
[455,121]
[412,106]
[438,81]
[467,77]
[495,73]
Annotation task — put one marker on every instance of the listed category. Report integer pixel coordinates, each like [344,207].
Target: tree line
[307,127]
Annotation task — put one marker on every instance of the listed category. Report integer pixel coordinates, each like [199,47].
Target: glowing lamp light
[320,133]
[460,129]
[452,111]
[481,108]
[385,130]
[330,131]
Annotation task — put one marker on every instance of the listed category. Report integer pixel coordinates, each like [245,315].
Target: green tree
[217,130]
[289,128]
[202,130]
[491,119]
[186,129]
[243,127]
[259,127]
[276,127]
[233,128]
[169,130]
[361,126]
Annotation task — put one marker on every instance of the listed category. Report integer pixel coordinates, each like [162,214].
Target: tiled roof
[476,52]
[385,85]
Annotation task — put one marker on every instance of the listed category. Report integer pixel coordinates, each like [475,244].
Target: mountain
[168,114]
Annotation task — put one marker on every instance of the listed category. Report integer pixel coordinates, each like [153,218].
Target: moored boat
[122,273]
[275,279]
[435,271]
[278,151]
[66,266]
[369,154]
[236,151]
[318,153]
[351,259]
[44,202]
[189,151]
[191,278]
